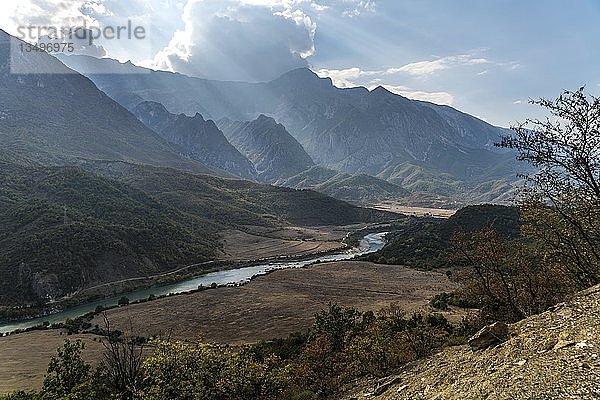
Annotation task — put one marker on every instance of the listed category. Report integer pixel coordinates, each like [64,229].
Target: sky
[486,58]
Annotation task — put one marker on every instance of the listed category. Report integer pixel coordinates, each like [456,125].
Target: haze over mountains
[274,152]
[417,145]
[195,138]
[88,193]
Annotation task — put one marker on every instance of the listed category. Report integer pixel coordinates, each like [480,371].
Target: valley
[271,306]
[240,214]
[192,278]
[280,303]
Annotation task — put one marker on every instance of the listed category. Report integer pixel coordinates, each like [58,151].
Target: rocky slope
[555,355]
[433,148]
[195,138]
[60,117]
[273,151]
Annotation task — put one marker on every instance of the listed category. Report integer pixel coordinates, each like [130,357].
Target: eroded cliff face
[554,355]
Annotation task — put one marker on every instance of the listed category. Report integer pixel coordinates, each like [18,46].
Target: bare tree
[562,198]
[123,356]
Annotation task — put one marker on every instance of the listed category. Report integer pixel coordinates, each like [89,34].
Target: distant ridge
[356,131]
[62,117]
[195,138]
[273,151]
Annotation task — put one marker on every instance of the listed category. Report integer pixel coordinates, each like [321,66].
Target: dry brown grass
[24,357]
[256,242]
[238,245]
[414,211]
[270,306]
[280,303]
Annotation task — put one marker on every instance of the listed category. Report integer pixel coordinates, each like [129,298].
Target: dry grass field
[260,242]
[280,303]
[271,306]
[24,358]
[414,211]
[238,245]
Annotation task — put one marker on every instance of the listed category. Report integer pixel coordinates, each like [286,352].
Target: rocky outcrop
[489,336]
[554,355]
[268,145]
[196,138]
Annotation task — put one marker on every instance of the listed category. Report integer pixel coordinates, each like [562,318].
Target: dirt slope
[555,355]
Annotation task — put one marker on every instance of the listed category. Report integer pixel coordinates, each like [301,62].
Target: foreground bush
[201,371]
[342,345]
[507,279]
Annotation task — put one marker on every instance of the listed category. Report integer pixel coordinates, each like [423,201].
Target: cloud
[249,40]
[355,8]
[346,78]
[429,67]
[511,65]
[344,8]
[343,78]
[57,13]
[82,41]
[230,40]
[443,98]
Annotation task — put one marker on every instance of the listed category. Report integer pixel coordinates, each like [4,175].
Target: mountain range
[90,194]
[273,151]
[420,146]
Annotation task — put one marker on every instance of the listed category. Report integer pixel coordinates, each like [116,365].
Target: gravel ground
[554,355]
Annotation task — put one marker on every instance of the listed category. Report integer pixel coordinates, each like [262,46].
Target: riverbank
[223,276]
[271,306]
[252,246]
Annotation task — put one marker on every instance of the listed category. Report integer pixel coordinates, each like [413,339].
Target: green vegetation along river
[369,244]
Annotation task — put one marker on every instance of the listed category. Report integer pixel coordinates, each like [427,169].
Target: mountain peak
[158,110]
[274,152]
[301,72]
[382,90]
[264,118]
[196,138]
[304,76]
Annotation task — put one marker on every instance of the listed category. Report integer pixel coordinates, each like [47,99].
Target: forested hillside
[426,242]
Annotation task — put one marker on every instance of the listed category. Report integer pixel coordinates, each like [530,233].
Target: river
[369,244]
